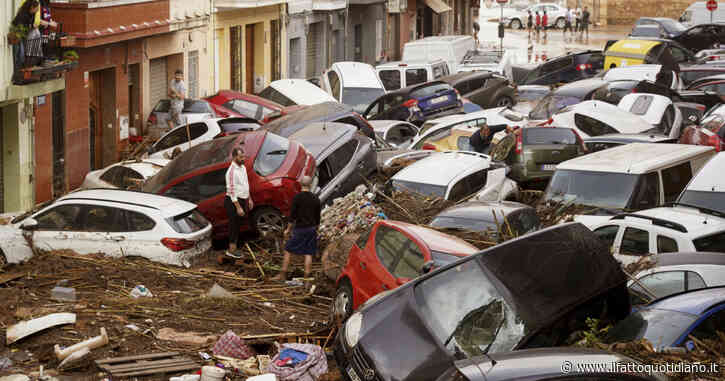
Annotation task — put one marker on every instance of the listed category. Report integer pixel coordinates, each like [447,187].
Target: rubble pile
[350,214]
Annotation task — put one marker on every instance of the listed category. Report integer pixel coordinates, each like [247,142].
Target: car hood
[521,269]
[701,36]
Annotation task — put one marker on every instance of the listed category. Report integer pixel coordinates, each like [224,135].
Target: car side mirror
[401,281]
[29,224]
[427,267]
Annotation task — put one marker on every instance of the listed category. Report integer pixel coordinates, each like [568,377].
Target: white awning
[438,6]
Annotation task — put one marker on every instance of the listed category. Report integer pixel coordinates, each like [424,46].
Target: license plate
[548,167]
[352,374]
[439,99]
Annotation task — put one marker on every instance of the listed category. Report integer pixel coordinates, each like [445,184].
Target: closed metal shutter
[339,46]
[314,50]
[295,62]
[2,176]
[159,80]
[193,75]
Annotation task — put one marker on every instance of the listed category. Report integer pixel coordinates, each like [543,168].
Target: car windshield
[543,136]
[473,224]
[551,104]
[704,199]
[359,98]
[441,259]
[430,90]
[196,107]
[604,190]
[672,26]
[467,313]
[422,188]
[271,155]
[660,327]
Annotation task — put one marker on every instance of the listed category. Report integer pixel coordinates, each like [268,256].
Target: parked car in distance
[229,103]
[672,273]
[456,175]
[117,223]
[602,142]
[389,254]
[670,321]
[292,92]
[556,15]
[186,136]
[344,157]
[195,110]
[436,313]
[493,60]
[355,84]
[709,132]
[512,218]
[646,31]
[397,133]
[397,75]
[564,69]
[452,49]
[129,174]
[594,118]
[668,28]
[323,112]
[483,88]
[416,104]
[631,177]
[274,167]
[517,365]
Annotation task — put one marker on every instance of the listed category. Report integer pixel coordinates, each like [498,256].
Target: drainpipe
[347,21]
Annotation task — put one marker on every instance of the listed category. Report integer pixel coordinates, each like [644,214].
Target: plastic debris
[217,291]
[92,343]
[29,327]
[63,294]
[141,291]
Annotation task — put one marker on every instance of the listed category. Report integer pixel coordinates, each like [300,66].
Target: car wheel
[268,221]
[342,304]
[515,24]
[504,102]
[560,23]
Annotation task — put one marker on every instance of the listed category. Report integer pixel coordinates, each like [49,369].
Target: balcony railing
[42,58]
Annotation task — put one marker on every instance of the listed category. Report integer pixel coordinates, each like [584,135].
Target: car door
[138,238]
[182,138]
[481,95]
[374,109]
[609,235]
[390,246]
[85,229]
[343,177]
[57,227]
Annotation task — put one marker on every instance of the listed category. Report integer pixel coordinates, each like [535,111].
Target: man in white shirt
[237,201]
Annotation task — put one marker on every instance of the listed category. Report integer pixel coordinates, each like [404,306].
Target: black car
[529,292]
[666,27]
[489,217]
[700,37]
[572,364]
[417,103]
[568,68]
[483,88]
[566,95]
[323,112]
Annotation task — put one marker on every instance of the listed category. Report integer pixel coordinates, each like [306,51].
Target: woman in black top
[24,18]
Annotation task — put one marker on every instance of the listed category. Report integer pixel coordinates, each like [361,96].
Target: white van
[697,14]
[452,49]
[355,84]
[398,74]
[707,189]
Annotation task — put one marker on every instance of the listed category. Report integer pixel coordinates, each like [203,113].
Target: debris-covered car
[129,174]
[566,95]
[397,133]
[118,223]
[344,157]
[274,166]
[323,112]
[502,299]
[594,118]
[355,84]
[456,175]
[511,218]
[416,104]
[186,136]
[389,254]
[657,110]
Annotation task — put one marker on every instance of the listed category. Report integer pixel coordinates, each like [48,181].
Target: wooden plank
[132,358]
[160,370]
[8,277]
[145,365]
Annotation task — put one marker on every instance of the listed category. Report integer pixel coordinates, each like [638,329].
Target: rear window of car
[429,90]
[275,96]
[415,76]
[421,188]
[543,135]
[237,125]
[592,127]
[271,155]
[189,222]
[714,243]
[390,79]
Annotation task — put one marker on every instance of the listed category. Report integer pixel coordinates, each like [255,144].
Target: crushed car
[510,217]
[129,174]
[186,136]
[323,112]
[230,103]
[416,104]
[484,88]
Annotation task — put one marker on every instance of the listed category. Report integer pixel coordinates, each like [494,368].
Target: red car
[275,166]
[710,132]
[233,103]
[389,255]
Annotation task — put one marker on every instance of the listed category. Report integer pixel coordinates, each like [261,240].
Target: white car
[556,16]
[594,118]
[399,134]
[645,72]
[493,60]
[130,174]
[397,75]
[355,84]
[292,92]
[195,110]
[118,223]
[662,230]
[184,138]
[455,176]
[707,189]
[450,48]
[657,110]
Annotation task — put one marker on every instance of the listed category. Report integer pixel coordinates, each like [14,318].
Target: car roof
[634,72]
[691,258]
[415,63]
[709,178]
[318,137]
[436,240]
[632,46]
[146,167]
[628,138]
[301,91]
[464,75]
[357,74]
[326,111]
[232,94]
[692,302]
[635,158]
[482,210]
[164,206]
[694,221]
[441,168]
[580,88]
[623,120]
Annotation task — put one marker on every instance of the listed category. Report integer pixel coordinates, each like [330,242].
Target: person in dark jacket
[24,18]
[302,230]
[481,140]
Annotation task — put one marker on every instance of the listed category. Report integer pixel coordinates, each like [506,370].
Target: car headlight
[352,329]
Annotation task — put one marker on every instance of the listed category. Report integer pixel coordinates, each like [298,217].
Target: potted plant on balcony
[17,33]
[70,55]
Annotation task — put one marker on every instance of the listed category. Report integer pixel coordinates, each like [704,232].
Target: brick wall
[627,11]
[43,147]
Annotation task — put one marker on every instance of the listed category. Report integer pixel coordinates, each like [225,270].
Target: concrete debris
[217,291]
[29,327]
[74,357]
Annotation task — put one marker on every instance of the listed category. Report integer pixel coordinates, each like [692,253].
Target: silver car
[195,110]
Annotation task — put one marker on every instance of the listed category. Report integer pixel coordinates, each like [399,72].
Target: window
[392,101]
[200,187]
[635,242]
[641,105]
[63,217]
[275,96]
[430,89]
[709,327]
[607,234]
[663,283]
[362,239]
[675,179]
[592,127]
[557,65]
[468,185]
[678,54]
[715,243]
[464,143]
[666,245]
[245,108]
[463,87]
[373,109]
[410,262]
[718,88]
[334,80]
[112,175]
[103,219]
[138,222]
[668,119]
[390,79]
[189,222]
[415,76]
[477,83]
[389,243]
[175,138]
[271,155]
[647,193]
[694,281]
[342,157]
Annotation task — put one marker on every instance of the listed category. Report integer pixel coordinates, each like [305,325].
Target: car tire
[268,220]
[515,24]
[560,23]
[342,304]
[504,101]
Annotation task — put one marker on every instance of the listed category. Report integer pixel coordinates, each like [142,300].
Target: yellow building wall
[17,158]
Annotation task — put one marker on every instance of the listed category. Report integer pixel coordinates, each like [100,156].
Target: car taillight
[519,142]
[410,103]
[428,146]
[548,122]
[152,120]
[177,244]
[583,67]
[714,141]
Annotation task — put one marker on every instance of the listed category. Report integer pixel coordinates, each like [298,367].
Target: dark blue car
[416,104]
[669,321]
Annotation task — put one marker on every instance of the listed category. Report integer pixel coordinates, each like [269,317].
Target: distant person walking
[236,201]
[476,29]
[567,24]
[585,22]
[530,23]
[177,94]
[578,17]
[538,24]
[545,23]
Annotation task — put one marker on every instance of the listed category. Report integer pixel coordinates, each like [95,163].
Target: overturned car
[501,299]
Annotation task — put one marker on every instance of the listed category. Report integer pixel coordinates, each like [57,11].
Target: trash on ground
[63,294]
[143,365]
[188,338]
[231,345]
[302,362]
[5,363]
[29,327]
[74,357]
[349,214]
[92,343]
[264,377]
[217,291]
[141,291]
[186,377]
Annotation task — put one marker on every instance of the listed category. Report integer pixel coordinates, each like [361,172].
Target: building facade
[366,26]
[315,36]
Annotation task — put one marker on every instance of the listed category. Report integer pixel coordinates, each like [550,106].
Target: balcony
[44,58]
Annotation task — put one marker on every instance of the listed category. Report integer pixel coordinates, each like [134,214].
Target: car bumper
[353,364]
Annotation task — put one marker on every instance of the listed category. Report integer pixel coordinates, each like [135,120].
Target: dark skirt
[303,241]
